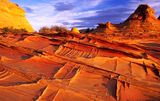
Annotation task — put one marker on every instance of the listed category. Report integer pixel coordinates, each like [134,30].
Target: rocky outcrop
[143,12]
[109,70]
[78,67]
[142,21]
[11,15]
[75,30]
[106,27]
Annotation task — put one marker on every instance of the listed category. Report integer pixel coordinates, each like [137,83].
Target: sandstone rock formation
[142,21]
[75,30]
[78,67]
[11,15]
[106,28]
[143,12]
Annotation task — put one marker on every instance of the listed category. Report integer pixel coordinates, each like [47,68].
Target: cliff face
[11,15]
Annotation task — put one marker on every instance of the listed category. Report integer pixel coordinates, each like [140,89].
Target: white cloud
[91,3]
[45,14]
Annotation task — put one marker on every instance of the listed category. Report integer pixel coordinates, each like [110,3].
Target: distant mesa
[11,15]
[159,17]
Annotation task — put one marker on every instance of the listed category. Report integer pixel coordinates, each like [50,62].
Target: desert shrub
[53,30]
[88,30]
[19,31]
[44,30]
[59,29]
[5,30]
[12,30]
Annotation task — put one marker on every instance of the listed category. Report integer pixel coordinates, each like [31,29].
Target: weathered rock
[79,67]
[142,21]
[143,12]
[75,30]
[11,15]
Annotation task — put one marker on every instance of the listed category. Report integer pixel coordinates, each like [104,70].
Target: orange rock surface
[142,22]
[82,67]
[11,15]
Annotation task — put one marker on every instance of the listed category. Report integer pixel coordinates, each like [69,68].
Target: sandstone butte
[75,30]
[142,21]
[114,62]
[11,15]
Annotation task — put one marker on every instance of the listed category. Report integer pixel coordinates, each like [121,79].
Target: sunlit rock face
[11,15]
[143,12]
[79,67]
[142,21]
[75,30]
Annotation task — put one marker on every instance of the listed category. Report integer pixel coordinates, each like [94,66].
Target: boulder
[75,30]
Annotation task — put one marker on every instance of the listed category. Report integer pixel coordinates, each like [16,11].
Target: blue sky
[80,13]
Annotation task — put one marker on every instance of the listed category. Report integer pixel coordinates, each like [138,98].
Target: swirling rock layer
[78,67]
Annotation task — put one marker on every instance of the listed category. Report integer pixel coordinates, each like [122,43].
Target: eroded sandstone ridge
[142,21]
[78,67]
[11,15]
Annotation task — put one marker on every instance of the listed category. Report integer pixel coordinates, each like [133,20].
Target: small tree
[58,29]
[44,30]
[53,29]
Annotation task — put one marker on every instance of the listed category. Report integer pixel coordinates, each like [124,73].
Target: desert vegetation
[53,29]
[6,30]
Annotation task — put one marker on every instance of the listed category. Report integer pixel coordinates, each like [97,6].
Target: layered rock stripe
[78,67]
